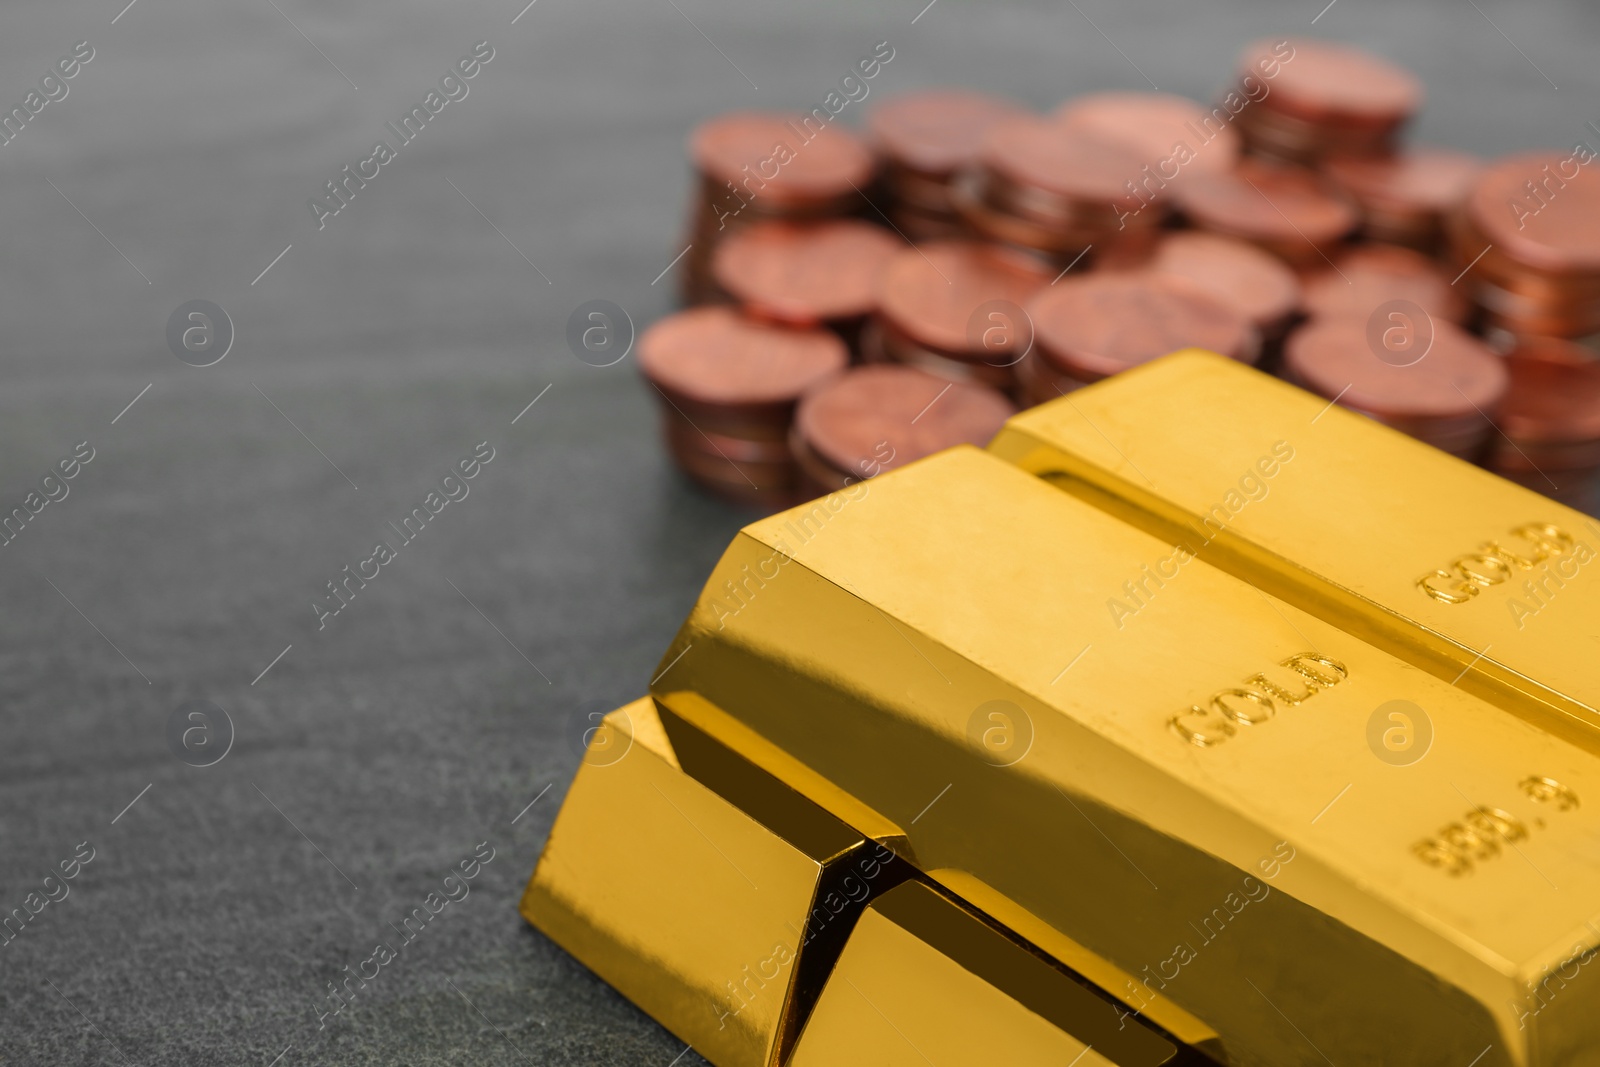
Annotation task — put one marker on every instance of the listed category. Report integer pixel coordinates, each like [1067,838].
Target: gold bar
[1465,574]
[924,980]
[689,719]
[717,904]
[1190,795]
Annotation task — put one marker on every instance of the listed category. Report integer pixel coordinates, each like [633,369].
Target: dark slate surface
[381,750]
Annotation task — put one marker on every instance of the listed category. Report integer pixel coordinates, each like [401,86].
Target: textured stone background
[409,730]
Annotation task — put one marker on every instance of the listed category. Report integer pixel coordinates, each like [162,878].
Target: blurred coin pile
[861,299]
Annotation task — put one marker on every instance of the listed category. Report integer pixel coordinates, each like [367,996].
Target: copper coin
[1254,283]
[1371,275]
[806,273]
[713,361]
[938,131]
[890,346]
[881,417]
[1284,136]
[1525,311]
[1554,395]
[1330,83]
[1577,488]
[711,466]
[939,296]
[723,208]
[1093,326]
[1168,133]
[1071,165]
[1413,231]
[1503,311]
[1553,459]
[997,224]
[1555,225]
[1039,382]
[1536,285]
[1422,180]
[768,155]
[816,474]
[1554,470]
[1492,275]
[907,188]
[1059,214]
[1459,377]
[1284,206]
[731,447]
[921,225]
[870,342]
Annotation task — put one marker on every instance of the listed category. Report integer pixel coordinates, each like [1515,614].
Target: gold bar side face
[716,908]
[1438,561]
[922,980]
[937,644]
[685,715]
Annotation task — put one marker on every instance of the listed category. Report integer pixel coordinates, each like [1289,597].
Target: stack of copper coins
[1367,278]
[924,140]
[1429,379]
[874,419]
[968,242]
[1056,190]
[758,165]
[954,309]
[1257,285]
[1170,136]
[1091,327]
[728,385]
[1528,240]
[1287,210]
[1304,100]
[1406,198]
[807,273]
[1550,421]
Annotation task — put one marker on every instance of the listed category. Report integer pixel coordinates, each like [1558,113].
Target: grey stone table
[376,749]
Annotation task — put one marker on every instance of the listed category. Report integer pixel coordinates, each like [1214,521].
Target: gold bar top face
[1441,562]
[1195,794]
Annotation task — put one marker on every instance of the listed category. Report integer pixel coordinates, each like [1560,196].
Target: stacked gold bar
[1194,721]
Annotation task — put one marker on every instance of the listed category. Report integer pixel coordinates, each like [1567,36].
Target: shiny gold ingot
[1195,791]
[717,908]
[691,720]
[924,981]
[1444,564]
